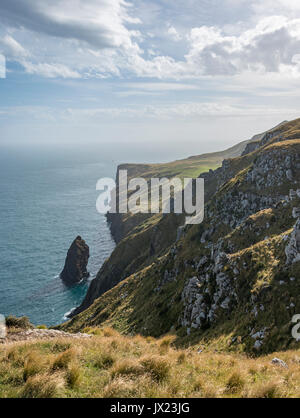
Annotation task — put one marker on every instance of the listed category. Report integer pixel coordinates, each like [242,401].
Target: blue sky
[196,74]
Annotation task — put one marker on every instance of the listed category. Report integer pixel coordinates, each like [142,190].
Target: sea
[48,197]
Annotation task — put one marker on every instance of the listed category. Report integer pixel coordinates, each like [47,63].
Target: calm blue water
[47,198]
[45,202]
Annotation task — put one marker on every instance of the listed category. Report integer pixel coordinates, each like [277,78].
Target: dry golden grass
[112,365]
[73,375]
[42,386]
[63,360]
[34,364]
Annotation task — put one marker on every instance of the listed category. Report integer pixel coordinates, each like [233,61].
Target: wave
[66,316]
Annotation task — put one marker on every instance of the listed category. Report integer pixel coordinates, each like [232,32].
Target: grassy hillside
[111,365]
[142,238]
[231,283]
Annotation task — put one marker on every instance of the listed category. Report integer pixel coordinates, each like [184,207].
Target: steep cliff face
[234,280]
[142,238]
[75,268]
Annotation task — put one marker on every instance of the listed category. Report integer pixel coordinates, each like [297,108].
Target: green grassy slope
[248,298]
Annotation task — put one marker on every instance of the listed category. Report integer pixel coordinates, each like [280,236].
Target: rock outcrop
[292,250]
[75,268]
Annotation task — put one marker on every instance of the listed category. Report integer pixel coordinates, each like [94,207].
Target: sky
[193,75]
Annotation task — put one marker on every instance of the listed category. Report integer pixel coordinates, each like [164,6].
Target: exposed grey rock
[292,250]
[225,303]
[200,310]
[296,213]
[257,344]
[180,232]
[203,261]
[279,362]
[260,335]
[289,174]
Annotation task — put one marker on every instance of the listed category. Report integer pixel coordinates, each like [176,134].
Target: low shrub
[14,322]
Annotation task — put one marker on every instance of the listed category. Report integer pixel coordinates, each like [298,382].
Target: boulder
[279,362]
[296,213]
[75,268]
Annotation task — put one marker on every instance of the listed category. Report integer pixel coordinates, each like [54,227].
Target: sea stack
[75,268]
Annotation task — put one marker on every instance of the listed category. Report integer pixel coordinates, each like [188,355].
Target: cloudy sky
[197,74]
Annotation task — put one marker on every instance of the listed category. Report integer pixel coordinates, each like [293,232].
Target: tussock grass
[73,375]
[103,360]
[158,367]
[15,355]
[235,383]
[267,390]
[127,368]
[119,366]
[63,360]
[167,341]
[34,364]
[181,357]
[41,386]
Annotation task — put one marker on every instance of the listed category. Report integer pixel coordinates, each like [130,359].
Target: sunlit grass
[112,365]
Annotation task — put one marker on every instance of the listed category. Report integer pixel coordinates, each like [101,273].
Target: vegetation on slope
[112,365]
[247,301]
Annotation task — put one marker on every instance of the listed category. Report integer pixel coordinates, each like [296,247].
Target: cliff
[142,238]
[231,282]
[75,268]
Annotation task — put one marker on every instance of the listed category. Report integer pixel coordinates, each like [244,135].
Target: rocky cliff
[142,238]
[75,268]
[232,281]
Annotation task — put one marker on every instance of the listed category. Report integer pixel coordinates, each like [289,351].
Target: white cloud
[100,23]
[162,86]
[272,42]
[95,38]
[50,70]
[11,47]
[174,35]
[89,37]
[269,7]
[189,111]
[153,89]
